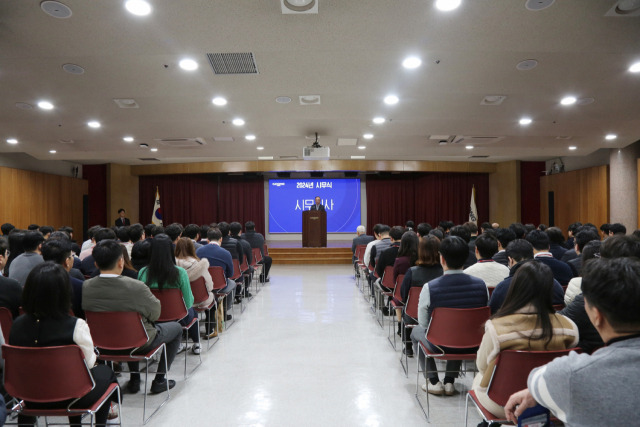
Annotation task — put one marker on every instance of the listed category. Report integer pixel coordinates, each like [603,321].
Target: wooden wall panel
[122,192]
[28,197]
[581,195]
[504,193]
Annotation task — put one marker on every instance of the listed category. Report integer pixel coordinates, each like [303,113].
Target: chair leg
[146,376]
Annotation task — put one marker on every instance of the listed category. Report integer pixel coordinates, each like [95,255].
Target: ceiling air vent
[478,157]
[232,63]
[475,140]
[149,159]
[182,142]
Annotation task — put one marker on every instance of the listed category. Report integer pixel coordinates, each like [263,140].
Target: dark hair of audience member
[224,228]
[235,228]
[104,234]
[32,240]
[590,250]
[16,246]
[605,228]
[505,236]
[618,228]
[6,228]
[148,230]
[589,224]
[66,229]
[56,250]
[618,246]
[471,226]
[461,231]
[455,251]
[539,240]
[135,232]
[530,227]
[249,226]
[518,229]
[485,226]
[162,263]
[106,254]
[91,232]
[191,231]
[33,227]
[423,229]
[123,234]
[59,235]
[140,253]
[410,224]
[487,245]
[214,234]
[585,236]
[185,249]
[613,287]
[542,227]
[213,225]
[4,246]
[636,234]
[158,229]
[573,228]
[409,246]
[46,229]
[555,235]
[384,229]
[203,231]
[428,250]
[532,284]
[519,250]
[47,292]
[396,232]
[437,233]
[173,231]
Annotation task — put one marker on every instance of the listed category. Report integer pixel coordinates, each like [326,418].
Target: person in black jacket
[122,221]
[10,289]
[540,242]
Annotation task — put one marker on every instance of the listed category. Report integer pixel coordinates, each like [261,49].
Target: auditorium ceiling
[336,65]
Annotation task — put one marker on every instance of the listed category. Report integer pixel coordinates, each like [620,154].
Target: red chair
[510,373]
[395,303]
[172,309]
[386,282]
[490,289]
[118,335]
[558,307]
[455,328]
[51,374]
[411,310]
[239,279]
[265,249]
[219,283]
[246,273]
[6,321]
[259,268]
[200,295]
[360,249]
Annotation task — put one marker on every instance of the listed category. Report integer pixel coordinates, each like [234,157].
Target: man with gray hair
[361,239]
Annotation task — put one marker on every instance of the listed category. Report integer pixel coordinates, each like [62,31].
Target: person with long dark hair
[407,254]
[162,272]
[526,321]
[46,301]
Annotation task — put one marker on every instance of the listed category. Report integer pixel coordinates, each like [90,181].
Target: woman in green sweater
[162,272]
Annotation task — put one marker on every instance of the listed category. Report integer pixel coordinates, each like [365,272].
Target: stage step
[310,255]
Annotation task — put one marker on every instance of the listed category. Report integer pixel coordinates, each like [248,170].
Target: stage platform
[292,252]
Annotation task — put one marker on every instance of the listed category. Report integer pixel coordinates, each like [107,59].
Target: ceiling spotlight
[53,151]
[45,105]
[525,121]
[635,68]
[412,62]
[154,150]
[469,147]
[391,99]
[367,136]
[188,64]
[379,120]
[611,136]
[259,148]
[573,147]
[12,141]
[250,137]
[218,100]
[361,147]
[447,5]
[568,100]
[138,7]
[238,122]
[128,139]
[93,124]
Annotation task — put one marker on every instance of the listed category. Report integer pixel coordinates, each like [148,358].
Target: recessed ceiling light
[573,147]
[218,100]
[525,121]
[361,147]
[138,7]
[259,148]
[447,5]
[367,136]
[635,68]
[469,147]
[238,122]
[128,139]
[154,149]
[73,69]
[12,141]
[53,151]
[568,100]
[56,9]
[250,137]
[45,105]
[379,120]
[188,64]
[391,99]
[527,64]
[412,62]
[611,136]
[93,124]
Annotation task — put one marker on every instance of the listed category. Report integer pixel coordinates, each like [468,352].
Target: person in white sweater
[186,258]
[486,268]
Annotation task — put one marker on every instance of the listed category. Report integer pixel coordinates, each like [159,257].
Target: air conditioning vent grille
[232,63]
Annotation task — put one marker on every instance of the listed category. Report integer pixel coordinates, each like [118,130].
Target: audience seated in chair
[504,236]
[362,238]
[88,266]
[256,241]
[464,233]
[10,289]
[490,271]
[21,265]
[540,242]
[219,257]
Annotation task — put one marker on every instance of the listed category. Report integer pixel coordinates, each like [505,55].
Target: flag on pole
[156,217]
[473,212]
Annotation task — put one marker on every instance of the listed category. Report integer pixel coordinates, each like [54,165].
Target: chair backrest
[457,327]
[116,330]
[244,266]
[411,304]
[46,374]
[199,290]
[257,256]
[236,269]
[172,305]
[360,250]
[558,307]
[512,368]
[265,249]
[6,321]
[387,277]
[218,277]
[491,289]
[398,286]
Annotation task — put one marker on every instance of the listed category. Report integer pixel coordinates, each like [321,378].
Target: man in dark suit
[256,240]
[122,221]
[318,206]
[540,241]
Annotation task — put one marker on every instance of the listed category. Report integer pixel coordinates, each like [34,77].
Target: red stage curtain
[426,197]
[97,177]
[530,173]
[241,199]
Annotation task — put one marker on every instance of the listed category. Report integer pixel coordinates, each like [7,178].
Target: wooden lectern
[314,229]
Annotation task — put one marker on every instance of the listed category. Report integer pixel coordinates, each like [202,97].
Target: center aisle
[306,352]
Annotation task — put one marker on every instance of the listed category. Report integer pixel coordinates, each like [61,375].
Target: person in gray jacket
[597,389]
